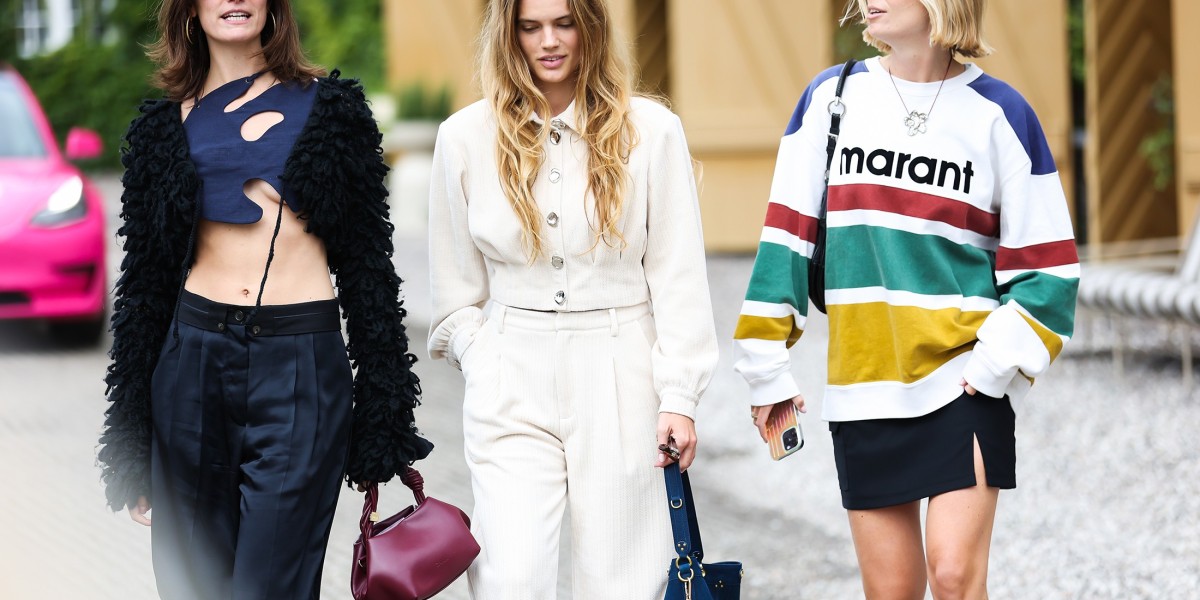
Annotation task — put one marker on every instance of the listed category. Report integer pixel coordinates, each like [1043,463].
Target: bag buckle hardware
[691,574]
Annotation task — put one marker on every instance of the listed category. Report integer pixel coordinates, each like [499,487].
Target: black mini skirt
[885,462]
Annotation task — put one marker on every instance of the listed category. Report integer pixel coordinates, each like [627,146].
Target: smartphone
[783,430]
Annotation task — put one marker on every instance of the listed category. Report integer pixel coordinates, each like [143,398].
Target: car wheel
[79,333]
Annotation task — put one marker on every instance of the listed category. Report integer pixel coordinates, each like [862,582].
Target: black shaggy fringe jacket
[336,170]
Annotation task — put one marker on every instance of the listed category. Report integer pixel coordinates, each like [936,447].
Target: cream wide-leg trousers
[560,410]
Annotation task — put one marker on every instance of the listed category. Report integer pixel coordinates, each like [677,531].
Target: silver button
[555,137]
[238,316]
[560,297]
[555,175]
[256,330]
[558,124]
[557,261]
[552,219]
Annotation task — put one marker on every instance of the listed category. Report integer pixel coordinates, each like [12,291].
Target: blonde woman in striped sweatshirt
[563,209]
[951,280]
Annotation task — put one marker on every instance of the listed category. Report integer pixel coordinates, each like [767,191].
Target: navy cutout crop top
[225,161]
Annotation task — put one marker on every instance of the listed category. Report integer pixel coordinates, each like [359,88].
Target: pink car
[51,222]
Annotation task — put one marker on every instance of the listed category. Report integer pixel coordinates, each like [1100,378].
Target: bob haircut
[181,50]
[956,25]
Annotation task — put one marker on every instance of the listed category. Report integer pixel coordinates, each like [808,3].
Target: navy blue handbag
[690,578]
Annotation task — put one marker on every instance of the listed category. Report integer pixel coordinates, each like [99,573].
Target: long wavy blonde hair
[602,111]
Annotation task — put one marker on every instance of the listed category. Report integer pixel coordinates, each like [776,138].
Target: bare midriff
[230,258]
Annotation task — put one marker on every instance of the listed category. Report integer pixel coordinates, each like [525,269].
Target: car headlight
[65,205]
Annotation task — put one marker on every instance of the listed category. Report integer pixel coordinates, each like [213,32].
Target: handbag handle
[837,109]
[684,526]
[411,478]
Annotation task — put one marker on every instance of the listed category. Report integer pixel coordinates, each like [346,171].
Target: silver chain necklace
[916,121]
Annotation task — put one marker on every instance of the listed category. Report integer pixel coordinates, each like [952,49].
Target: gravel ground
[1107,503]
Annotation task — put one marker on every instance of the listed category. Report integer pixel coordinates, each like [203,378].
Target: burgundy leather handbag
[413,554]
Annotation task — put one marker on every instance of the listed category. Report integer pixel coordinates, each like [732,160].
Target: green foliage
[99,79]
[8,31]
[848,43]
[91,83]
[419,101]
[1158,147]
[89,86]
[344,35]
[1075,29]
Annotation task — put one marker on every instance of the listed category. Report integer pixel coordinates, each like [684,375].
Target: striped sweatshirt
[950,254]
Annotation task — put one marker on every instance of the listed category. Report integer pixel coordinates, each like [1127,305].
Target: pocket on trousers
[472,348]
[648,330]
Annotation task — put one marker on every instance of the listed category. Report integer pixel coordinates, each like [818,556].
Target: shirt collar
[567,116]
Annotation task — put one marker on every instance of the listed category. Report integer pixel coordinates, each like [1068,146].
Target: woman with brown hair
[234,410]
[562,209]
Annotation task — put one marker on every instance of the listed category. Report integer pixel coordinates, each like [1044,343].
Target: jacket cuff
[985,375]
[460,340]
[679,404]
[765,392]
[455,333]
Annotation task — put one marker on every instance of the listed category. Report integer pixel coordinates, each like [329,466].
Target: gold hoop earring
[274,25]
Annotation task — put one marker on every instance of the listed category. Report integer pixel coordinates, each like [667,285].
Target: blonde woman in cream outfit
[569,286]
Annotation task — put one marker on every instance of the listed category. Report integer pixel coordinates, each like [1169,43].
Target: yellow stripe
[776,329]
[875,341]
[1054,344]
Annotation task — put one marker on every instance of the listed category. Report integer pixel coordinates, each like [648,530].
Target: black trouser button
[238,316]
[255,330]
[220,327]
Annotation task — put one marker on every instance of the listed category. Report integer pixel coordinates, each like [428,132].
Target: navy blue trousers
[251,431]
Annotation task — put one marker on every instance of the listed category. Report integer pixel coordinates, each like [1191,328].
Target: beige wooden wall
[1186,17]
[737,69]
[433,41]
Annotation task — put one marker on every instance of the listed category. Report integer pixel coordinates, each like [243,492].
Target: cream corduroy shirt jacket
[476,254]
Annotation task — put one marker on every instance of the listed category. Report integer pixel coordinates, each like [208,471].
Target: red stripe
[1037,256]
[782,217]
[861,196]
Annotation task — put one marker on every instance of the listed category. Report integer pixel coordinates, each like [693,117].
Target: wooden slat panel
[1186,17]
[652,48]
[738,67]
[1128,46]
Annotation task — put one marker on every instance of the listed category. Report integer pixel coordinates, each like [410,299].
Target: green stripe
[780,276]
[1050,299]
[867,256]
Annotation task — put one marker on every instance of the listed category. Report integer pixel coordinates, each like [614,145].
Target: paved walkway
[1108,504]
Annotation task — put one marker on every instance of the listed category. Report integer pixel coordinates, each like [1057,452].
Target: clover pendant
[916,122]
